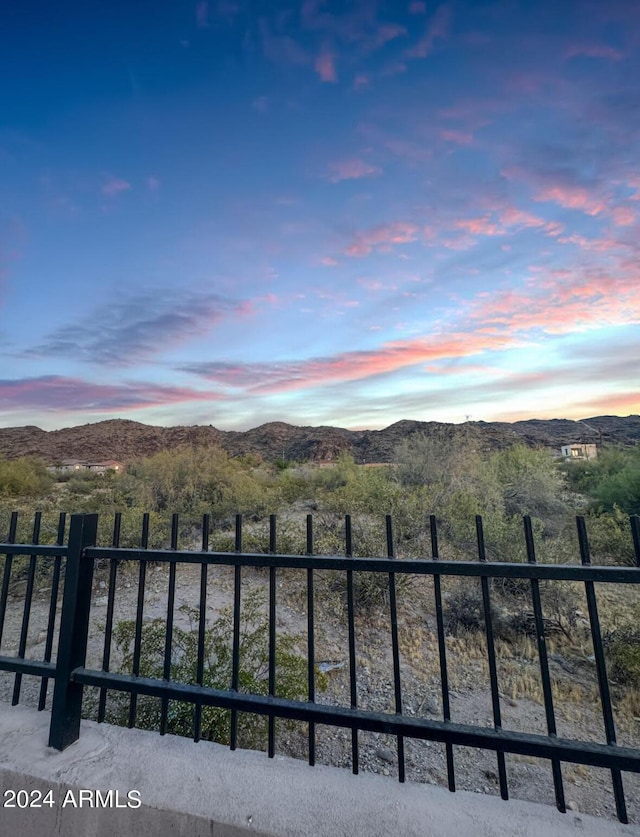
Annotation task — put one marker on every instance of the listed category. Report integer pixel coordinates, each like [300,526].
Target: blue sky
[232,212]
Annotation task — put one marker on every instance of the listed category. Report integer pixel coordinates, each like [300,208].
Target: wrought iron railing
[76,560]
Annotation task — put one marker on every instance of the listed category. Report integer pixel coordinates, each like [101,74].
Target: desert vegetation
[455,480]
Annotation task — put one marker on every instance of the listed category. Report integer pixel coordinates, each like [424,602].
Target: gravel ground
[586,789]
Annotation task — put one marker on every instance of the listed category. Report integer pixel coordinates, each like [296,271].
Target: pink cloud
[114,186]
[153,184]
[202,15]
[561,304]
[285,376]
[457,137]
[58,394]
[594,51]
[417,7]
[571,197]
[329,261]
[438,29]
[352,170]
[479,226]
[623,216]
[382,237]
[325,66]
[598,245]
[387,32]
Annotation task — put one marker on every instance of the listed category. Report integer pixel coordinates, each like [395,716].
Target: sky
[230,212]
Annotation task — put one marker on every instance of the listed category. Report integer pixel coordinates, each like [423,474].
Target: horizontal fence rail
[72,566]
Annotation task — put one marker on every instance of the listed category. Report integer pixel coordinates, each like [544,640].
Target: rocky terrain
[125,440]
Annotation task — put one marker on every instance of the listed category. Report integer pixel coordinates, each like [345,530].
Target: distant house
[71,466]
[103,467]
[581,452]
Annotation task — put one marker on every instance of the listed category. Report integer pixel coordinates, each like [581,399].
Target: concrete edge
[200,790]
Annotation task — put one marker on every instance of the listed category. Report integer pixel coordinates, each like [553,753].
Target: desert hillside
[125,440]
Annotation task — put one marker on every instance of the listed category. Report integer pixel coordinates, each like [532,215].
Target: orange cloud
[616,404]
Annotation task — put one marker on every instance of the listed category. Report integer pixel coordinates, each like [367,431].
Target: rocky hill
[126,440]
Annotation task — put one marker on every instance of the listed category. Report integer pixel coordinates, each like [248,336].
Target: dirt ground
[576,695]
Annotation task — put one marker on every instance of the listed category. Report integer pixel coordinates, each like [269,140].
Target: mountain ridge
[125,439]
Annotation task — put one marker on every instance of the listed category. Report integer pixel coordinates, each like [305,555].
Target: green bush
[291,671]
[24,478]
[622,648]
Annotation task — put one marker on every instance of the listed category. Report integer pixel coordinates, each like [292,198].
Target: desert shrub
[25,477]
[621,490]
[196,481]
[463,611]
[530,483]
[291,671]
[610,539]
[622,647]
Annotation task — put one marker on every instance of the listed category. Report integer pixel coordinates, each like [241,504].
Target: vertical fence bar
[137,642]
[395,645]
[352,640]
[544,665]
[202,619]
[601,669]
[311,654]
[235,651]
[168,643]
[53,602]
[6,575]
[442,651]
[272,635]
[74,630]
[635,534]
[26,613]
[108,628]
[491,653]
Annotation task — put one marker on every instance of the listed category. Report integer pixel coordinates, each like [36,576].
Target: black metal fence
[73,566]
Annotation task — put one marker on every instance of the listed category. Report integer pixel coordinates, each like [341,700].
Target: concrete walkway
[203,789]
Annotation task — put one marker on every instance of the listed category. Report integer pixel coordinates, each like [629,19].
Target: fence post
[74,629]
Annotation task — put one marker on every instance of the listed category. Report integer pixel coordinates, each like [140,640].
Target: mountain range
[124,440]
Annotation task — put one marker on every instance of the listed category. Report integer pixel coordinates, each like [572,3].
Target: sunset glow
[224,212]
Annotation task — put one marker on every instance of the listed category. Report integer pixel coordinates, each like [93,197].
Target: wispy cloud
[281,49]
[571,198]
[138,327]
[57,393]
[115,186]
[594,51]
[438,29]
[202,15]
[383,238]
[353,169]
